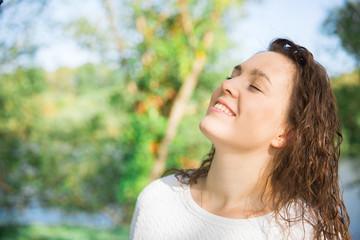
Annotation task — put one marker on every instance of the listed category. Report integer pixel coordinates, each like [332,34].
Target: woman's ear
[278,142]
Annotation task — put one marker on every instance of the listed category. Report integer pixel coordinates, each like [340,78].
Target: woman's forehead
[271,65]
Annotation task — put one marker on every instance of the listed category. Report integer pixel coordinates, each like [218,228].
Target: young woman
[273,170]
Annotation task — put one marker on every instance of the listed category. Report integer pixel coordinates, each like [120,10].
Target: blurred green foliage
[19,100]
[344,22]
[78,145]
[87,138]
[347,91]
[61,139]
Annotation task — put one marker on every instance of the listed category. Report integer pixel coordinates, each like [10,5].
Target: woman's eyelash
[255,88]
[252,86]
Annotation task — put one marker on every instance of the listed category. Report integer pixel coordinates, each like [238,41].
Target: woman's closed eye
[255,88]
[251,85]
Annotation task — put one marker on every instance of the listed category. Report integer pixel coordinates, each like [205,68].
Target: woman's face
[247,112]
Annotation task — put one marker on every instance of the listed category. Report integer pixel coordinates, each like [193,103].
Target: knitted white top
[166,210]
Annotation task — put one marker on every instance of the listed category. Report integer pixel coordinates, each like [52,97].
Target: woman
[273,170]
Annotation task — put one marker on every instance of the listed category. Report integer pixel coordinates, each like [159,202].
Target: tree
[347,92]
[175,49]
[179,39]
[137,108]
[19,103]
[19,20]
[344,22]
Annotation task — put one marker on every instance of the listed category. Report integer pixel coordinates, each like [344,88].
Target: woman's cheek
[216,94]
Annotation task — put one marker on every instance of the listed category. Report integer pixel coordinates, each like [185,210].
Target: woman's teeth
[223,108]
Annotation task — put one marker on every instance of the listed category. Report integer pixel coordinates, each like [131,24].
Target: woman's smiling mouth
[222,107]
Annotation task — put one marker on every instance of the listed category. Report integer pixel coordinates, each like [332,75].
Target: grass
[62,232]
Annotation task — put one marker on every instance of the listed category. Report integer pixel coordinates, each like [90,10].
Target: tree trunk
[176,114]
[187,88]
[111,16]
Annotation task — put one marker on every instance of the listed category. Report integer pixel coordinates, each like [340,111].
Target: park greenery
[344,22]
[92,137]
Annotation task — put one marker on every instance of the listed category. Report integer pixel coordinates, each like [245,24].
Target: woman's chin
[206,126]
[212,131]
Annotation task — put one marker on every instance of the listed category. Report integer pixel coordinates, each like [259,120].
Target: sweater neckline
[208,216]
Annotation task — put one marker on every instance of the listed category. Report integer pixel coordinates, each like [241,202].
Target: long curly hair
[305,169]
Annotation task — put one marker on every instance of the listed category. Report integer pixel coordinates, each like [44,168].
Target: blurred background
[99,97]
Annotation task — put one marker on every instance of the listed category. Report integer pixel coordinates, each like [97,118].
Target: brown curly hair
[305,169]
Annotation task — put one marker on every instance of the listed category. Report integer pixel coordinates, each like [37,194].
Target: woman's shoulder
[161,188]
[156,205]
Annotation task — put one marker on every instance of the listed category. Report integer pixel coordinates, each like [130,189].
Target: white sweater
[165,210]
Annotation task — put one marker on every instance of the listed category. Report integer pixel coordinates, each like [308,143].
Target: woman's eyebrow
[237,69]
[259,73]
[256,72]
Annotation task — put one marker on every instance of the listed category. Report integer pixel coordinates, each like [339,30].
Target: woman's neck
[235,182]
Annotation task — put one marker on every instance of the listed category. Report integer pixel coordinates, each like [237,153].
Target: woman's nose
[230,87]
